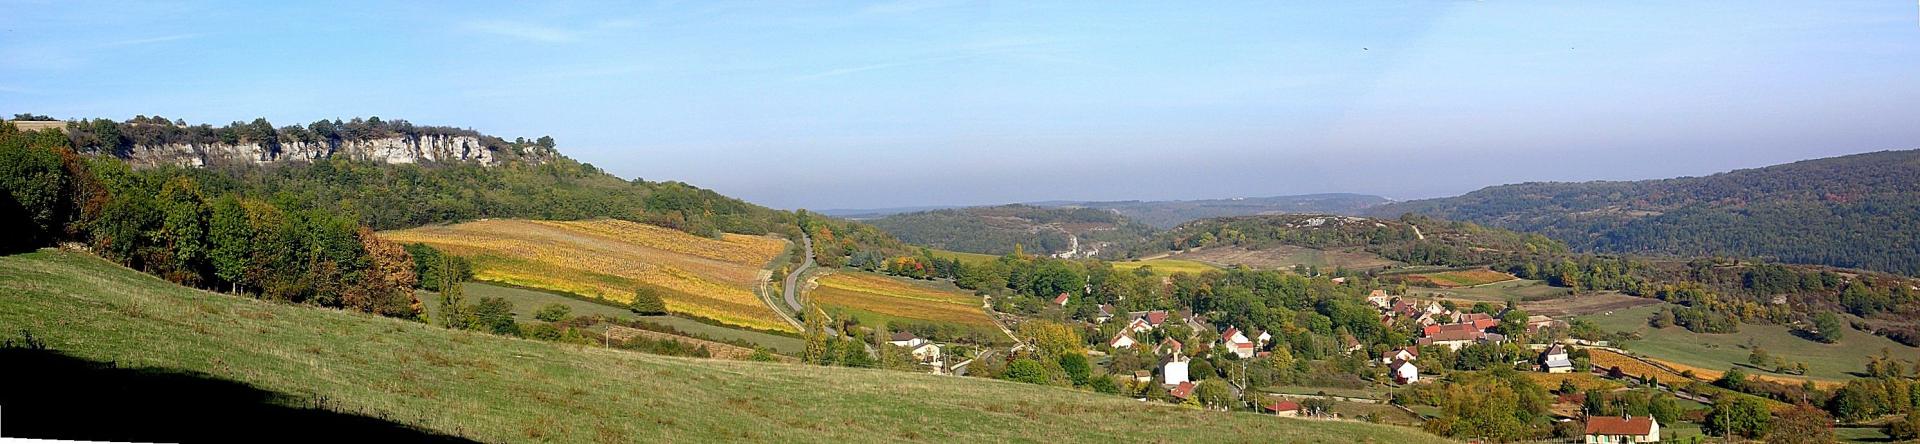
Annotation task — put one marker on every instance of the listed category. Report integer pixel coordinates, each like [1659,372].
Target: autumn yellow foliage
[608,259]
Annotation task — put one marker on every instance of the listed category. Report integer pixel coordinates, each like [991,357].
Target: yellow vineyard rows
[608,259]
[881,285]
[882,295]
[1465,278]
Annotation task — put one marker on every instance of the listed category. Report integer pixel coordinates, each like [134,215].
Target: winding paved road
[792,294]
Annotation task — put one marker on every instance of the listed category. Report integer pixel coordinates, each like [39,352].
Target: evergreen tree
[646,301]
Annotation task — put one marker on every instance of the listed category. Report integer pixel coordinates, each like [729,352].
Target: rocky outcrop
[391,150]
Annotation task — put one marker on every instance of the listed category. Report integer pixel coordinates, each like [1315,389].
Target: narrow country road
[793,279]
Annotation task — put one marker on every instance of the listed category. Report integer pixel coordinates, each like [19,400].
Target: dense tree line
[1853,211]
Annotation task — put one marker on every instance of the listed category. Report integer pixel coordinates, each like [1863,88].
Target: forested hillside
[1858,211]
[1000,229]
[302,230]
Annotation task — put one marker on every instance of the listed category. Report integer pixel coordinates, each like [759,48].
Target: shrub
[554,312]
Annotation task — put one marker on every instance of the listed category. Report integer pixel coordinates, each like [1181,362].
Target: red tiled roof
[1283,406]
[1183,390]
[903,336]
[1156,317]
[1473,327]
[1456,335]
[1060,300]
[1608,425]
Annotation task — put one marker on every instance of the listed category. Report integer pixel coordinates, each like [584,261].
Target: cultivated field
[494,389]
[879,299]
[526,302]
[1165,267]
[1459,278]
[1286,256]
[608,259]
[1585,381]
[1718,352]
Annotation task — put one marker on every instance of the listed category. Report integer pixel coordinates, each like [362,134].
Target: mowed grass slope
[499,389]
[883,299]
[528,302]
[608,259]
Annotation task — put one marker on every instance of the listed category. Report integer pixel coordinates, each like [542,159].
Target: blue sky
[922,102]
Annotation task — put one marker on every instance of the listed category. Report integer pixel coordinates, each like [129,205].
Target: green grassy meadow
[965,258]
[1831,362]
[526,302]
[498,389]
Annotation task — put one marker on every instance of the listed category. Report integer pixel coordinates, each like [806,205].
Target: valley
[933,221]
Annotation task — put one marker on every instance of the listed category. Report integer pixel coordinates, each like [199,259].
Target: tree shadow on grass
[50,395]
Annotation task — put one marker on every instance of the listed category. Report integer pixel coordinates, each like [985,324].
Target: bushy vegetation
[1500,405]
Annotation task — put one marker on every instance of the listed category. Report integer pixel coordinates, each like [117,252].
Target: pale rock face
[391,150]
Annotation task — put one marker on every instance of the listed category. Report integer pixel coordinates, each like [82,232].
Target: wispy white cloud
[883,65]
[17,90]
[149,40]
[523,31]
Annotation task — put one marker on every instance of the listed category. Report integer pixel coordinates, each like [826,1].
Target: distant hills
[1067,232]
[1170,213]
[1105,228]
[1856,211]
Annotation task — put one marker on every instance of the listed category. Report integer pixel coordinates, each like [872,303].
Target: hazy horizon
[932,103]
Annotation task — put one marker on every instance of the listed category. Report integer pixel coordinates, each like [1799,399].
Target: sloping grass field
[526,302]
[497,389]
[964,257]
[608,259]
[882,299]
[1716,353]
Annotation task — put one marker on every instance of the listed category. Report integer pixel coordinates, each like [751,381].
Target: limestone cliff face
[392,150]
